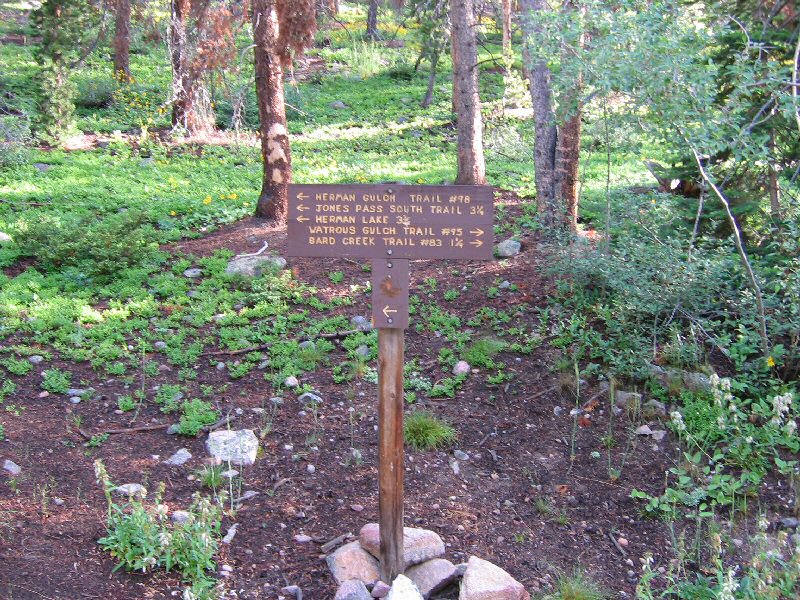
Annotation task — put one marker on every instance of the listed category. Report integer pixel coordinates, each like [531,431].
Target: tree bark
[506,27]
[426,101]
[372,21]
[275,152]
[122,41]
[471,165]
[567,158]
[182,96]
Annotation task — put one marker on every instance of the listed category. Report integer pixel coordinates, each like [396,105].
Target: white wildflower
[729,586]
[165,539]
[790,428]
[721,422]
[677,420]
[782,404]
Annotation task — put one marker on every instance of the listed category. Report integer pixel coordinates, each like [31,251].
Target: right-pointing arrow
[476,231]
[476,243]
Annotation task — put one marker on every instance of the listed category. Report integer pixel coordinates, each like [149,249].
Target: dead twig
[617,545]
[328,546]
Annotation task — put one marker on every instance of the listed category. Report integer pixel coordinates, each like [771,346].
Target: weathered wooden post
[390,224]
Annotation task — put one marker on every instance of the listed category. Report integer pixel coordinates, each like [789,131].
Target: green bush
[196,415]
[423,431]
[56,381]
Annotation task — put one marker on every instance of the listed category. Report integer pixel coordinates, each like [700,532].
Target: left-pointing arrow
[302,196]
[302,207]
[387,311]
[303,219]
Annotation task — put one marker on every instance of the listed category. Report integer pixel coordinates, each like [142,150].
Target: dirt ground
[518,501]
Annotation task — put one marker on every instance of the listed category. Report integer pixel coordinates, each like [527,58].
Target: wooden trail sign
[390,224]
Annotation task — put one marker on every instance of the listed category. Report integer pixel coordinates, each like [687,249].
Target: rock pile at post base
[356,569]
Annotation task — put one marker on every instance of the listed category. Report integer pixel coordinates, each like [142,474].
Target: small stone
[77,392]
[485,581]
[234,447]
[403,589]
[419,545]
[36,359]
[736,542]
[462,367]
[220,366]
[653,409]
[160,345]
[255,266]
[351,561]
[644,430]
[231,534]
[226,569]
[460,455]
[622,542]
[293,590]
[627,400]
[455,467]
[277,401]
[12,468]
[192,273]
[431,576]
[58,501]
[291,382]
[248,495]
[356,508]
[380,590]
[658,435]
[131,490]
[504,285]
[507,248]
[311,469]
[788,523]
[173,429]
[338,105]
[306,345]
[229,474]
[302,538]
[353,589]
[362,351]
[42,167]
[362,323]
[75,400]
[44,394]
[179,517]
[181,457]
[309,398]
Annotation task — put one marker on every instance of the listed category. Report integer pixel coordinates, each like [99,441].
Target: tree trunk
[507,27]
[426,102]
[272,203]
[181,86]
[568,149]
[122,41]
[471,166]
[773,185]
[372,20]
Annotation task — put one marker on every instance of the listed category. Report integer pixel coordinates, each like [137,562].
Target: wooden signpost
[390,224]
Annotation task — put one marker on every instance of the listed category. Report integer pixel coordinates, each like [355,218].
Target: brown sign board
[391,221]
[390,293]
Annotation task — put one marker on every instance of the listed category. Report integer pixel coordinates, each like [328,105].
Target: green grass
[424,431]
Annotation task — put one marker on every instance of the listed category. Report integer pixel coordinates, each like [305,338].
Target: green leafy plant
[56,381]
[196,414]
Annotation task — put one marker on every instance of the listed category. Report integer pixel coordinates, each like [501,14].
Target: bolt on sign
[390,224]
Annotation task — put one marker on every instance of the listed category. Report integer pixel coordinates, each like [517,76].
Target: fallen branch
[319,336]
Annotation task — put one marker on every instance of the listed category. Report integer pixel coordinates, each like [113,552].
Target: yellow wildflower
[232,196]
[207,200]
[172,213]
[770,361]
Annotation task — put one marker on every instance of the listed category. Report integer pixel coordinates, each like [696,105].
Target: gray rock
[485,581]
[193,273]
[231,534]
[338,104]
[293,590]
[461,568]
[309,398]
[419,545]
[627,400]
[504,285]
[653,409]
[558,411]
[179,517]
[403,589]
[181,457]
[160,345]
[76,392]
[12,468]
[361,322]
[255,266]
[462,367]
[238,447]
[351,561]
[363,351]
[42,167]
[302,538]
[311,469]
[75,400]
[644,430]
[432,576]
[58,501]
[658,434]
[507,248]
[306,344]
[460,455]
[277,400]
[220,366]
[677,378]
[353,589]
[36,359]
[131,490]
[788,523]
[173,429]
[291,382]
[380,590]
[5,238]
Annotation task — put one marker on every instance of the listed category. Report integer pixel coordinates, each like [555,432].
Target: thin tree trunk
[182,97]
[568,149]
[774,187]
[471,165]
[372,20]
[506,27]
[426,102]
[122,41]
[272,202]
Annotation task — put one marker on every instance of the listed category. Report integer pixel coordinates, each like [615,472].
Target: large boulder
[507,248]
[403,589]
[351,561]
[432,576]
[353,589]
[254,266]
[234,447]
[485,581]
[419,545]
